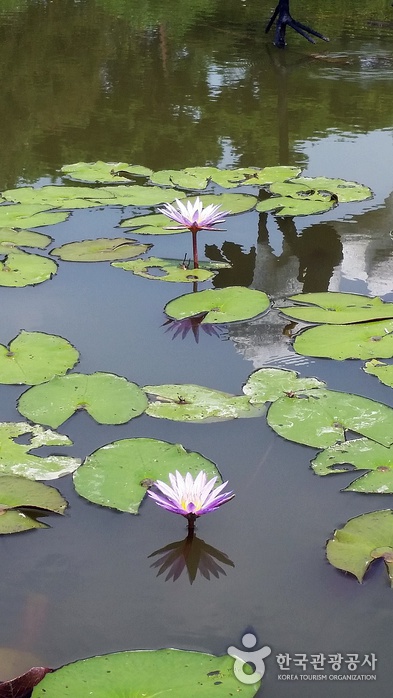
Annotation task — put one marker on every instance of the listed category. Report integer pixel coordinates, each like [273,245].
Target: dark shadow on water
[190,554]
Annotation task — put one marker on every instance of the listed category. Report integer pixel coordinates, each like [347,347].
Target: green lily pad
[319,418]
[384,372]
[19,493]
[254,176]
[115,475]
[194,403]
[192,178]
[136,195]
[53,196]
[165,672]
[20,269]
[287,206]
[29,216]
[35,357]
[345,191]
[109,399]
[361,541]
[100,250]
[10,238]
[269,384]
[16,459]
[151,224]
[337,308]
[360,454]
[220,305]
[165,270]
[362,341]
[103,172]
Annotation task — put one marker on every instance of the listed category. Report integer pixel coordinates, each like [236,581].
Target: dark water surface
[199,83]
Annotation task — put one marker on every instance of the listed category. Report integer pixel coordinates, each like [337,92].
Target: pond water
[167,87]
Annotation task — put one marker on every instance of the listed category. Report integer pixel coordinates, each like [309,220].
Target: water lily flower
[194,217]
[190,498]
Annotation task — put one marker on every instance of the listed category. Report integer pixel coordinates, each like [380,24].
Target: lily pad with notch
[220,305]
[19,269]
[195,403]
[108,399]
[361,541]
[16,457]
[116,474]
[100,250]
[19,496]
[337,308]
[177,673]
[35,357]
[364,340]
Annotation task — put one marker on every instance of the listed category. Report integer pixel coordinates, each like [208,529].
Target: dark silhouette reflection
[241,271]
[191,554]
[182,328]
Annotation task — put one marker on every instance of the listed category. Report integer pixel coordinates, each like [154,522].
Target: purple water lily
[190,498]
[194,217]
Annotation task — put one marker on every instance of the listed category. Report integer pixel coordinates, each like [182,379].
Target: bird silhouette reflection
[191,554]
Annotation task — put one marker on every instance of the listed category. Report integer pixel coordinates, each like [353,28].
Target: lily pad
[100,250]
[103,172]
[360,454]
[54,196]
[35,357]
[364,340]
[151,224]
[361,541]
[20,269]
[19,493]
[192,178]
[384,372]
[319,418]
[337,308]
[109,399]
[165,270]
[220,305]
[344,190]
[115,475]
[9,238]
[16,459]
[175,673]
[287,206]
[194,403]
[244,176]
[269,384]
[29,216]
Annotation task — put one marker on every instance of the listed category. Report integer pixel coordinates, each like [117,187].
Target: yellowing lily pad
[150,673]
[364,340]
[16,459]
[20,269]
[35,357]
[220,305]
[100,250]
[337,308]
[165,270]
[359,454]
[268,384]
[384,372]
[108,398]
[116,474]
[362,540]
[17,494]
[103,172]
[194,403]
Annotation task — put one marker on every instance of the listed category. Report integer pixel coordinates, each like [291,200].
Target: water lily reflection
[194,325]
[191,554]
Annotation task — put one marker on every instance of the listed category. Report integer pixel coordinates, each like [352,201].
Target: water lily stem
[195,248]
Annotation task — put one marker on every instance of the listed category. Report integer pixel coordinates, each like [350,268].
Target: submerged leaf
[337,308]
[100,250]
[108,398]
[35,357]
[20,269]
[361,541]
[150,673]
[220,305]
[114,475]
[268,384]
[362,341]
[194,403]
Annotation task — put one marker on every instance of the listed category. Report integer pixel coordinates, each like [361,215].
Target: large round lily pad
[220,305]
[20,269]
[116,474]
[100,250]
[35,357]
[364,340]
[18,494]
[150,673]
[194,403]
[361,541]
[337,308]
[108,398]
[268,384]
[103,172]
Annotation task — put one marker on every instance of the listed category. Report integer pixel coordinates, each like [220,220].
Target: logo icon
[243,657]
